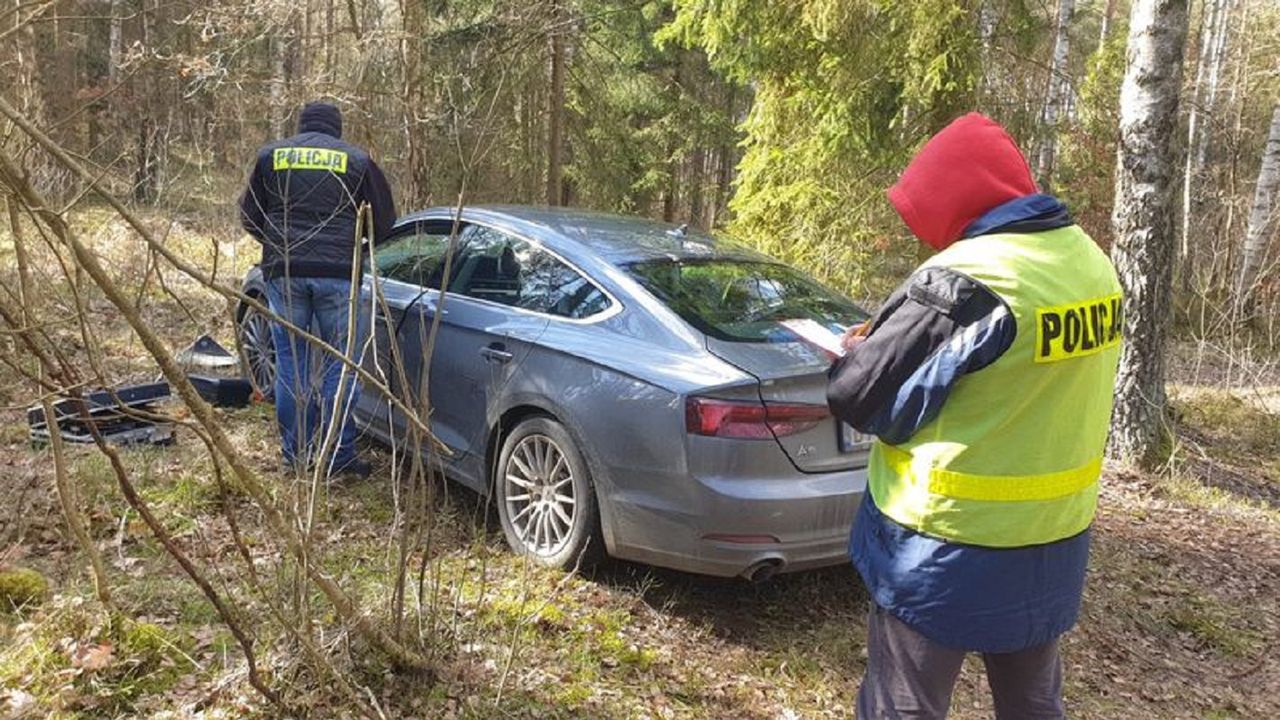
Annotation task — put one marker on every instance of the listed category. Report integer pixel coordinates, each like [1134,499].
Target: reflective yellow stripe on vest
[1009,488]
[1014,455]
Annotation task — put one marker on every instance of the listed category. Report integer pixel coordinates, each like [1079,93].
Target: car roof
[618,239]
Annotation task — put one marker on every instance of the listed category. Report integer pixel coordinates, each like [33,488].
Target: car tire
[546,500]
[257,350]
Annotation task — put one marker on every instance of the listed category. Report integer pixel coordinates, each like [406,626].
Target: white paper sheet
[816,333]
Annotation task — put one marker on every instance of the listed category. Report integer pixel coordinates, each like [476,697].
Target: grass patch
[1237,428]
[77,660]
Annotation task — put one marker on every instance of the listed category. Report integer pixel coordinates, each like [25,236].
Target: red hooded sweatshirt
[968,168]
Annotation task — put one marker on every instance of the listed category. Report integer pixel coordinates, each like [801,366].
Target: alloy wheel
[259,351]
[539,493]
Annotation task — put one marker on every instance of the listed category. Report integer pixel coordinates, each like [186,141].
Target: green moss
[145,641]
[20,587]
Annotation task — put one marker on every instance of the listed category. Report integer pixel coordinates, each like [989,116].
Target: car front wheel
[546,501]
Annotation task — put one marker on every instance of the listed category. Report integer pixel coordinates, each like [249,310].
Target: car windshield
[744,301]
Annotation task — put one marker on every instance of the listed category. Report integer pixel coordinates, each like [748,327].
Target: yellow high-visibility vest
[1014,455]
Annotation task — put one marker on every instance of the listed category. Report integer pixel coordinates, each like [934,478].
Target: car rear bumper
[732,526]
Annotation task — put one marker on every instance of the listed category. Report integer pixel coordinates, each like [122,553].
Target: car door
[409,272]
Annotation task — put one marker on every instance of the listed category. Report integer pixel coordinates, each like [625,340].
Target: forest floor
[1181,616]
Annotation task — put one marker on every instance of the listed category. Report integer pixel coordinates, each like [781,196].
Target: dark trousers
[910,676]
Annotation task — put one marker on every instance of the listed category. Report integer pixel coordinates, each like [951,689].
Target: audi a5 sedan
[615,385]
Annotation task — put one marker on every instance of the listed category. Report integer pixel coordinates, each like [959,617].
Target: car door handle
[496,353]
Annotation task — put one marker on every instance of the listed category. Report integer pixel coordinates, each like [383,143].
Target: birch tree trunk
[1143,221]
[1054,94]
[987,21]
[1262,215]
[1216,53]
[1208,40]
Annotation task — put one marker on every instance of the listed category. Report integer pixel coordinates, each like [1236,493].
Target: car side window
[505,269]
[416,257]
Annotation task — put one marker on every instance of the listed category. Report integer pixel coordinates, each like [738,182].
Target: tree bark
[555,108]
[1217,51]
[279,76]
[328,41]
[1108,14]
[1262,215]
[1143,222]
[1213,39]
[412,47]
[146,180]
[725,161]
[1054,95]
[697,191]
[115,52]
[1212,10]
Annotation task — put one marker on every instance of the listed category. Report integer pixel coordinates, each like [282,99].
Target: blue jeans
[307,378]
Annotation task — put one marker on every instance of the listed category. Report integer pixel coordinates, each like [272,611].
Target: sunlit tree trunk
[328,41]
[555,107]
[1213,33]
[1108,16]
[1262,215]
[115,52]
[1055,94]
[1143,221]
[1217,51]
[280,48]
[146,161]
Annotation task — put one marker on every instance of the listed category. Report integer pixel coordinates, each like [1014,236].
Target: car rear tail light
[749,420]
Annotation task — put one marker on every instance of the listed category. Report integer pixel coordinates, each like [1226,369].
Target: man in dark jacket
[987,378]
[302,203]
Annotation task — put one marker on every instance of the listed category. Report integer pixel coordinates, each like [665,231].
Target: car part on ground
[215,373]
[124,416]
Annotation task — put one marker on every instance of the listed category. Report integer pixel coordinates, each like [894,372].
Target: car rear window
[744,301]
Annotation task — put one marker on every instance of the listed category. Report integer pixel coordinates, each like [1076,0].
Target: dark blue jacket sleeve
[377,192]
[937,326]
[252,214]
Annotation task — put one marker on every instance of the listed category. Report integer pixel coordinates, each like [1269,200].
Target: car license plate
[851,440]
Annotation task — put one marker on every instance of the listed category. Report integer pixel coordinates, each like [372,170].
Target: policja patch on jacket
[308,158]
[1079,329]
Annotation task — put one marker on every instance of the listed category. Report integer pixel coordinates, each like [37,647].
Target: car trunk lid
[795,373]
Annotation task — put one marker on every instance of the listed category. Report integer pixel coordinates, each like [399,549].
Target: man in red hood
[987,379]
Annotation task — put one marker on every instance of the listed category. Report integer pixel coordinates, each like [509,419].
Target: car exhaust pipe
[762,571]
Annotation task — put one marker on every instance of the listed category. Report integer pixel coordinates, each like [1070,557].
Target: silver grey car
[616,385]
